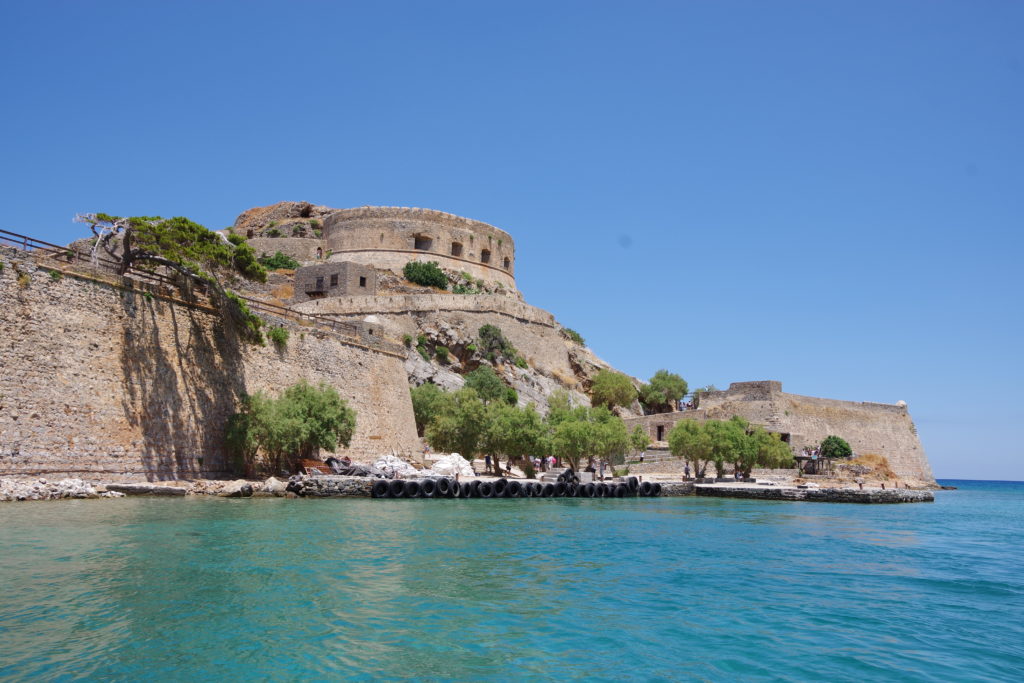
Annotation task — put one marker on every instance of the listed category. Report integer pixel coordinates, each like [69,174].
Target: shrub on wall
[573,336]
[278,261]
[278,335]
[428,274]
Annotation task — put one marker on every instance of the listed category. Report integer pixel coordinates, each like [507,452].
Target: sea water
[634,589]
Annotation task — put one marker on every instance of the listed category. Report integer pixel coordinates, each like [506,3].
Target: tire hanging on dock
[646,488]
[379,489]
[396,488]
[412,489]
[486,489]
[428,487]
[444,487]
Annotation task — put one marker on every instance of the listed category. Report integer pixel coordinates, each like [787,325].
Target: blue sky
[827,194]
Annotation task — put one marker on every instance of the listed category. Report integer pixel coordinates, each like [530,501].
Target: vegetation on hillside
[279,261]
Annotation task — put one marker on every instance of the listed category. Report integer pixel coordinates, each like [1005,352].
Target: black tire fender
[396,488]
[486,489]
[379,489]
[412,489]
[646,488]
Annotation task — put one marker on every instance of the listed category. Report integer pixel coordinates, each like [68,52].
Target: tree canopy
[489,387]
[196,255]
[459,424]
[735,441]
[661,394]
[427,400]
[612,389]
[835,447]
[296,425]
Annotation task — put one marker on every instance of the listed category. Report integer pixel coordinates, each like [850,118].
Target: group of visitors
[687,405]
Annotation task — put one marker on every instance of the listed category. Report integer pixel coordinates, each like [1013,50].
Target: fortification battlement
[453,241]
[764,390]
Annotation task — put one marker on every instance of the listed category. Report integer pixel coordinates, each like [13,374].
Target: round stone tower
[389,237]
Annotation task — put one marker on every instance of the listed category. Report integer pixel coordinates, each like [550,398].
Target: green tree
[692,442]
[639,439]
[612,389]
[512,433]
[197,257]
[835,447]
[428,274]
[459,424]
[489,387]
[772,451]
[662,393]
[572,440]
[427,400]
[296,425]
[611,440]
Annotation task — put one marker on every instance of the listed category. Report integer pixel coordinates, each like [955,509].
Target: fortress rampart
[106,379]
[880,428]
[390,237]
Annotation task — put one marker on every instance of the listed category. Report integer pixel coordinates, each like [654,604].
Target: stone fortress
[877,428]
[111,376]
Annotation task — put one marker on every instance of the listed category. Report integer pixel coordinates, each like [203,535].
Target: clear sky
[830,194]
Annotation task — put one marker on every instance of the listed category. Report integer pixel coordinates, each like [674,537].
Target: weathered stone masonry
[102,378]
[879,428]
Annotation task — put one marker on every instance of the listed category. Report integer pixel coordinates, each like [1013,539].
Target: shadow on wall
[182,380]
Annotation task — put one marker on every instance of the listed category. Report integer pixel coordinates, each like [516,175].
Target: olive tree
[663,392]
[612,389]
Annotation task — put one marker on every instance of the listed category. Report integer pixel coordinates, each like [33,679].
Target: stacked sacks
[448,487]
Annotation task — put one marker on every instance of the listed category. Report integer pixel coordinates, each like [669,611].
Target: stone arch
[485,256]
[456,248]
[507,263]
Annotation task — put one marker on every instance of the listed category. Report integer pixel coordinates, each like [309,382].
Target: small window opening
[362,281]
[507,262]
[319,252]
[485,256]
[456,249]
[423,243]
[334,280]
[370,331]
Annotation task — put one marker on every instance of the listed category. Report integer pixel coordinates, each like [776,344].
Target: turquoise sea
[634,589]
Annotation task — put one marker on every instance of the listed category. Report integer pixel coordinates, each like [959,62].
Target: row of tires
[445,487]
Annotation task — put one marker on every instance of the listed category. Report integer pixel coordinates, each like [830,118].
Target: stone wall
[879,428]
[299,248]
[533,331]
[103,378]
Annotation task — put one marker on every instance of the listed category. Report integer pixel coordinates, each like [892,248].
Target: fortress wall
[879,428]
[101,379]
[395,261]
[299,248]
[393,229]
[533,331]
